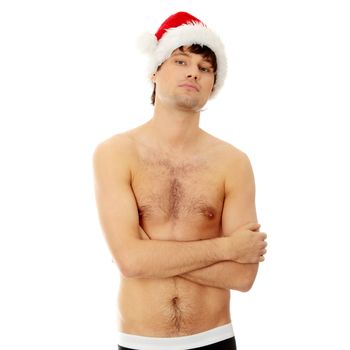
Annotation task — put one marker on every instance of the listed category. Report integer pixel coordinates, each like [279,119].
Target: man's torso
[178,198]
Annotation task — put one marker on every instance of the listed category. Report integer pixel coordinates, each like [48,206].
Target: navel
[176,314]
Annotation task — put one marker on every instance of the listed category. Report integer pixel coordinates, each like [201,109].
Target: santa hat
[183,29]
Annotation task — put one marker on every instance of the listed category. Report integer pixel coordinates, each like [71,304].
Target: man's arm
[239,209]
[226,275]
[119,219]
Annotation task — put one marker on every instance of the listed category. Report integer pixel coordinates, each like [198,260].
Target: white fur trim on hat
[147,43]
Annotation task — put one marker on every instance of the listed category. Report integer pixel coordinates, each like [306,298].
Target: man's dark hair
[206,53]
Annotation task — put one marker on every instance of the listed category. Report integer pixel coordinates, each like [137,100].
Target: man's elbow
[246,280]
[127,265]
[126,268]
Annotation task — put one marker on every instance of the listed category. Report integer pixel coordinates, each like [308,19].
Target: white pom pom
[147,43]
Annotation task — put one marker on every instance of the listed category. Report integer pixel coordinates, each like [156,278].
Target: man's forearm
[162,259]
[226,275]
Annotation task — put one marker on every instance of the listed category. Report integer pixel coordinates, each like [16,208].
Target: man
[177,205]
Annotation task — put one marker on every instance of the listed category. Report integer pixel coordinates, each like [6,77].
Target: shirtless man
[177,206]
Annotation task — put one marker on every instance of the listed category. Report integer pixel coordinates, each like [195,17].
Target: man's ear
[153,78]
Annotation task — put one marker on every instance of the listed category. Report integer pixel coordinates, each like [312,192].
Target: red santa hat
[183,29]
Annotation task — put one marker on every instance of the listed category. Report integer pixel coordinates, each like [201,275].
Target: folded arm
[226,275]
[239,209]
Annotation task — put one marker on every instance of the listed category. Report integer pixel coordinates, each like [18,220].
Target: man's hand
[248,244]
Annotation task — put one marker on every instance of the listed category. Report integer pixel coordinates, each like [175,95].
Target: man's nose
[192,75]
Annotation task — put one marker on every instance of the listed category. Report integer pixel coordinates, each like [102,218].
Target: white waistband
[177,343]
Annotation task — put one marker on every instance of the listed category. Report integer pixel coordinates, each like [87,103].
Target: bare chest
[178,194]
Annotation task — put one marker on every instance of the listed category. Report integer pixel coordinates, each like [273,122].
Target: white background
[71,76]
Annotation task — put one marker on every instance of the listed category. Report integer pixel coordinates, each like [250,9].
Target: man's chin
[188,102]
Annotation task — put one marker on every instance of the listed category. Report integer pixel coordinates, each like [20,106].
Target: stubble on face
[187,102]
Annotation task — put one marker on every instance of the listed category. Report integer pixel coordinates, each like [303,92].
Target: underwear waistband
[212,336]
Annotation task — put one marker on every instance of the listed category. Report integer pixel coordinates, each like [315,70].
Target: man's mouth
[189,86]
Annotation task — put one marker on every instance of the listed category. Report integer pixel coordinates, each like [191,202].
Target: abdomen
[170,307]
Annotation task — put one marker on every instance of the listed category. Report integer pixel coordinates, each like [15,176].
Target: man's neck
[175,129]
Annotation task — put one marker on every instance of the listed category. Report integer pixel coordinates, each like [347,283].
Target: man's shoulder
[227,152]
[121,142]
[238,168]
[118,147]
[234,164]
[235,155]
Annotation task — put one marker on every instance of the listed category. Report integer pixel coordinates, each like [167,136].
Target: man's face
[185,80]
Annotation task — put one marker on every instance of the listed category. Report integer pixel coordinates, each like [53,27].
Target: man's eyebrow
[208,60]
[181,53]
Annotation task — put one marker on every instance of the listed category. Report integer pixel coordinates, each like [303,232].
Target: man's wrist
[225,249]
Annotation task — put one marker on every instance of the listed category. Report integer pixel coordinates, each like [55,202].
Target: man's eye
[205,69]
[180,62]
